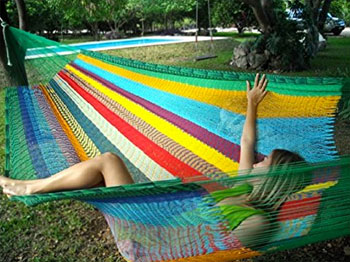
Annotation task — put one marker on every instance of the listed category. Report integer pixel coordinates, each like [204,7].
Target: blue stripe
[53,155]
[160,209]
[310,137]
[169,212]
[32,133]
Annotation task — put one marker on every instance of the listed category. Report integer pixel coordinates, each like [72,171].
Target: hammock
[178,130]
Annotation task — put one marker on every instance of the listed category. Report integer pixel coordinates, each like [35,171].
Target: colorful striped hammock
[178,131]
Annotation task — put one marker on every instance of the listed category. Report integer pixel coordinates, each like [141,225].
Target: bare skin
[106,169]
[248,139]
[255,225]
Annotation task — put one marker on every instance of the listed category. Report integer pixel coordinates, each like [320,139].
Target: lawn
[74,231]
[329,62]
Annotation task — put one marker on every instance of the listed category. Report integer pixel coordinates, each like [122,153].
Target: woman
[250,207]
[109,170]
[247,207]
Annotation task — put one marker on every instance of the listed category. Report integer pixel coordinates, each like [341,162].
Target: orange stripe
[74,141]
[221,256]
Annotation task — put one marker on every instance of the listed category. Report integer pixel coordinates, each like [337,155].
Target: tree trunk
[143,27]
[263,12]
[323,15]
[166,22]
[240,28]
[315,7]
[16,74]
[4,16]
[22,14]
[95,31]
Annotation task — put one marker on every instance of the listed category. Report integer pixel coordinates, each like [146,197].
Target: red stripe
[158,154]
[299,208]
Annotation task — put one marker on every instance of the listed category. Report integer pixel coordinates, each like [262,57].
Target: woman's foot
[17,189]
[5,181]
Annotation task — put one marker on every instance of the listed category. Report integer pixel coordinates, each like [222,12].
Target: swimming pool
[98,46]
[111,44]
[118,43]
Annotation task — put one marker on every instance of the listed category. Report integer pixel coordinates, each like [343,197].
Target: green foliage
[286,45]
[157,10]
[78,12]
[41,15]
[341,9]
[226,13]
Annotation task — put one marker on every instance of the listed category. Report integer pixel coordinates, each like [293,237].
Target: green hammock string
[177,130]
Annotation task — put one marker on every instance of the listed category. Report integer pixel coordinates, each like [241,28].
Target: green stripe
[17,145]
[228,80]
[129,190]
[176,184]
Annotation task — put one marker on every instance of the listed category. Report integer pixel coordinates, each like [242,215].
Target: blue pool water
[117,43]
[97,45]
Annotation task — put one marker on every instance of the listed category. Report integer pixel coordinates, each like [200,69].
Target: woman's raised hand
[257,94]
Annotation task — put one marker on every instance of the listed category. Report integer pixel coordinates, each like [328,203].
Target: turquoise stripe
[292,85]
[309,137]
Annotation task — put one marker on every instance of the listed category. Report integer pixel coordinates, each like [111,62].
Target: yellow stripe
[319,186]
[274,105]
[204,151]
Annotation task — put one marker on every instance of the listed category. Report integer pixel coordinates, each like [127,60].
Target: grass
[238,37]
[57,231]
[74,231]
[182,54]
[333,61]
[74,40]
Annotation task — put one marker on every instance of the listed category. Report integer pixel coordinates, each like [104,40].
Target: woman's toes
[11,191]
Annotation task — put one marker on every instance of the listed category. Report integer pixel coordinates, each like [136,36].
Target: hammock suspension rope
[4,25]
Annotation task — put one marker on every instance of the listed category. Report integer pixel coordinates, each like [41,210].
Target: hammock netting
[178,131]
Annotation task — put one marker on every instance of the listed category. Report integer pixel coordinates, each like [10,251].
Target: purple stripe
[224,146]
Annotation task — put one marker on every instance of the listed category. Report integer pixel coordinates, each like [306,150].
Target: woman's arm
[254,97]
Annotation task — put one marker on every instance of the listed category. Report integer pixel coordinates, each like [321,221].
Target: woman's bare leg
[107,169]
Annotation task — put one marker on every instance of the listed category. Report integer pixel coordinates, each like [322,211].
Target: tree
[162,11]
[226,13]
[15,70]
[323,14]
[77,14]
[341,9]
[22,14]
[4,16]
[117,13]
[282,45]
